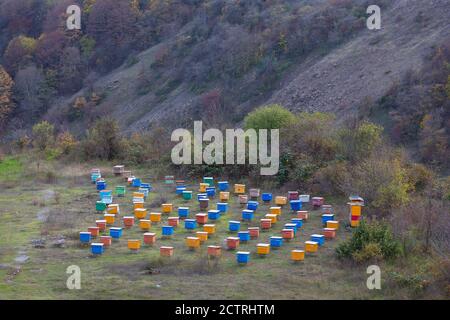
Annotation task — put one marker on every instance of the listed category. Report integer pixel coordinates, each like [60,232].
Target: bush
[43,135]
[374,240]
[103,140]
[269,117]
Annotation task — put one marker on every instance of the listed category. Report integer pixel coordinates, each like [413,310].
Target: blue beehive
[146,186]
[105,194]
[85,237]
[183,212]
[244,236]
[213,214]
[101,185]
[202,196]
[298,222]
[95,176]
[223,185]
[234,226]
[276,241]
[266,197]
[247,214]
[115,233]
[167,230]
[211,192]
[252,205]
[222,207]
[292,226]
[327,217]
[97,248]
[243,257]
[136,182]
[190,224]
[296,205]
[144,191]
[319,238]
[179,190]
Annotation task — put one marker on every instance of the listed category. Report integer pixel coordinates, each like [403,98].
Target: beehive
[187,195]
[101,185]
[149,238]
[166,208]
[167,231]
[304,198]
[126,174]
[120,191]
[298,222]
[202,187]
[232,243]
[209,181]
[113,208]
[243,199]
[110,218]
[94,231]
[292,195]
[140,213]
[183,212]
[355,209]
[213,214]
[138,205]
[252,205]
[254,232]
[254,193]
[327,209]
[266,197]
[190,224]
[329,233]
[234,226]
[136,182]
[146,186]
[244,236]
[179,190]
[304,215]
[169,179]
[272,217]
[145,224]
[166,251]
[223,185]
[85,237]
[202,235]
[210,228]
[266,224]
[319,238]
[247,214]
[333,224]
[193,242]
[115,233]
[130,180]
[173,221]
[211,192]
[100,206]
[354,223]
[317,202]
[201,196]
[263,249]
[140,195]
[101,224]
[297,255]
[239,188]
[106,240]
[276,242]
[224,196]
[203,203]
[280,201]
[97,248]
[222,207]
[201,218]
[118,170]
[155,216]
[214,251]
[287,234]
[242,257]
[326,218]
[128,221]
[292,226]
[296,205]
[134,244]
[275,210]
[144,191]
[311,246]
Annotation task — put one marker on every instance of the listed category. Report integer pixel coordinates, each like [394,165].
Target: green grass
[10,169]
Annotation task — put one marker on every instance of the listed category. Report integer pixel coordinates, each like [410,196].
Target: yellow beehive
[210,228]
[140,213]
[138,205]
[262,248]
[193,242]
[333,224]
[224,196]
[110,218]
[134,244]
[145,224]
[167,208]
[202,235]
[297,255]
[272,217]
[280,200]
[113,208]
[202,187]
[311,246]
[275,210]
[239,188]
[155,217]
[354,223]
[355,209]
[138,195]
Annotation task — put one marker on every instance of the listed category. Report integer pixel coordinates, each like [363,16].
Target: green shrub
[43,135]
[269,117]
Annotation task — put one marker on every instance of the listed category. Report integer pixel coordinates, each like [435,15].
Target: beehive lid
[109,215]
[214,211]
[187,191]
[275,207]
[232,238]
[287,230]
[183,208]
[215,247]
[166,247]
[105,237]
[189,220]
[243,232]
[172,218]
[95,244]
[234,221]
[128,217]
[85,232]
[200,215]
[243,252]
[276,237]
[328,215]
[326,206]
[311,242]
[333,221]
[253,228]
[100,221]
[247,211]
[317,235]
[209,225]
[155,213]
[149,234]
[115,228]
[297,250]
[263,245]
[193,238]
[202,232]
[222,203]
[170,227]
[140,209]
[329,229]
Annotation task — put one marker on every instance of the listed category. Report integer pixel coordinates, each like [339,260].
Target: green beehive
[120,191]
[209,181]
[100,206]
[187,195]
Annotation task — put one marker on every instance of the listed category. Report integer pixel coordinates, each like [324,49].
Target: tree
[103,140]
[49,48]
[359,143]
[6,103]
[19,52]
[29,87]
[269,117]
[43,135]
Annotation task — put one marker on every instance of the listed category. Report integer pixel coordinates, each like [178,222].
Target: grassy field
[57,201]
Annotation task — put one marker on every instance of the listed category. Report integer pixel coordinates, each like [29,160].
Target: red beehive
[287,234]
[317,202]
[101,224]
[254,232]
[94,231]
[149,238]
[173,221]
[266,224]
[215,251]
[302,215]
[232,242]
[329,233]
[128,221]
[293,195]
[106,240]
[201,218]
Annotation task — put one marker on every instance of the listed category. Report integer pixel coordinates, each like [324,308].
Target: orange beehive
[232,242]
[145,224]
[113,208]
[166,251]
[94,231]
[272,217]
[333,224]
[329,233]
[110,218]
[202,235]
[138,205]
[128,221]
[167,208]
[239,188]
[106,240]
[263,248]
[275,210]
[214,251]
[138,195]
[354,223]
[192,242]
[101,224]
[149,238]
[303,215]
[224,196]
[311,246]
[201,218]
[173,221]
[202,187]
[140,213]
[266,224]
[297,255]
[280,200]
[254,232]
[210,228]
[287,234]
[134,244]
[155,216]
